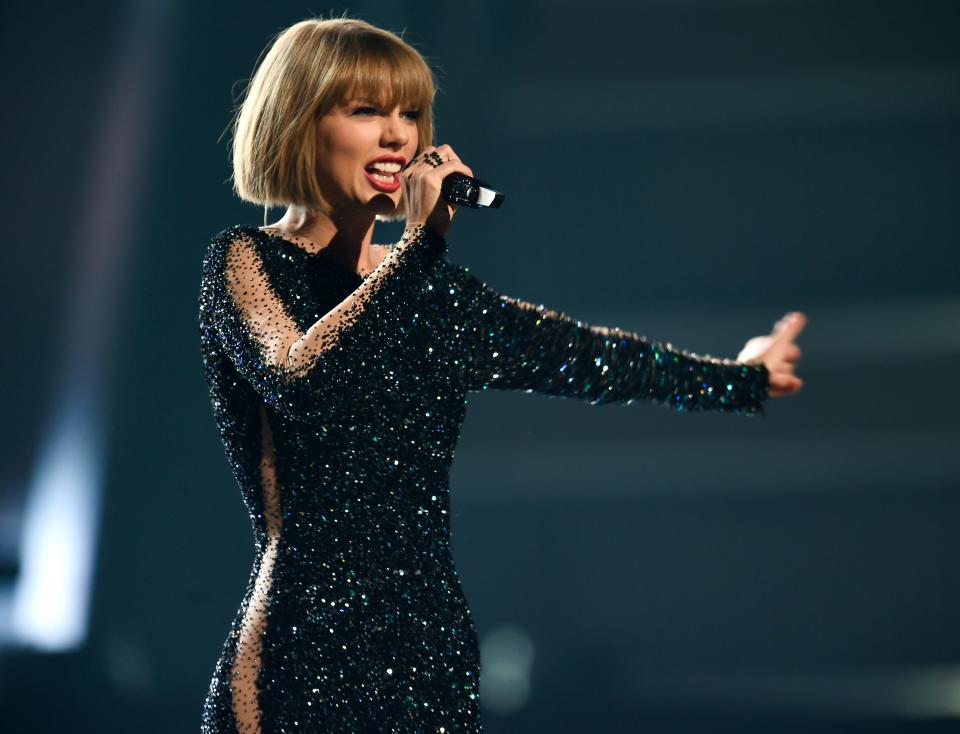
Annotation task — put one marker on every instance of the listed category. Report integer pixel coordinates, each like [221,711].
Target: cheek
[341,166]
[341,149]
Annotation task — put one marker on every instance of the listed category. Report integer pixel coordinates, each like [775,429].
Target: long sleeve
[514,345]
[302,373]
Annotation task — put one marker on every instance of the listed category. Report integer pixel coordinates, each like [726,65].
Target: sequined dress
[339,399]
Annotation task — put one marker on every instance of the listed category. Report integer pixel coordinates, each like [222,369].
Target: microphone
[463,190]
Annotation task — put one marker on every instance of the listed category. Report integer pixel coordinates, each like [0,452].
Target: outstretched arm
[515,345]
[299,372]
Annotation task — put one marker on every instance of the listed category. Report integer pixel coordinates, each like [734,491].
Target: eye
[413,114]
[364,111]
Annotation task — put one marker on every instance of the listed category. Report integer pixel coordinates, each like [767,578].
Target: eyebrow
[374,103]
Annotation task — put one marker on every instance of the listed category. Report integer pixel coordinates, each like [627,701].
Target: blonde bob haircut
[311,67]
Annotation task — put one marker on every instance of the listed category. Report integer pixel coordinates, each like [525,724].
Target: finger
[421,156]
[417,166]
[414,162]
[788,317]
[434,159]
[786,352]
[449,154]
[784,384]
[796,384]
[426,158]
[790,326]
[780,370]
[442,171]
[466,169]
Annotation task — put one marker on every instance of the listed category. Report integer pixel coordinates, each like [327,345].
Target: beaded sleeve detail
[300,372]
[516,345]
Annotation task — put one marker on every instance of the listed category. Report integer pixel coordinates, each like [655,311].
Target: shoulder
[233,254]
[235,232]
[222,243]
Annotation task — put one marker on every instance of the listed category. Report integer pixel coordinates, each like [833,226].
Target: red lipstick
[387,187]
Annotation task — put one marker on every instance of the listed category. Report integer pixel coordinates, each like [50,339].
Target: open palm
[778,353]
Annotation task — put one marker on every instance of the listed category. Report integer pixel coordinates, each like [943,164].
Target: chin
[385,207]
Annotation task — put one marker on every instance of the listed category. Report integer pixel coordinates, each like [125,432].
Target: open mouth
[384,175]
[381,176]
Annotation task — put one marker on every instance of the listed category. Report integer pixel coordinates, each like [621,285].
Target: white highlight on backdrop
[50,603]
[506,655]
[60,529]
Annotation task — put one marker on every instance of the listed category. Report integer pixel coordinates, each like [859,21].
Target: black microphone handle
[462,190]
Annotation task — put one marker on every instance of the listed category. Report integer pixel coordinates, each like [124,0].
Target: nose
[394,131]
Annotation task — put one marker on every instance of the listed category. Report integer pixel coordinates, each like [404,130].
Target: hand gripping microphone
[462,190]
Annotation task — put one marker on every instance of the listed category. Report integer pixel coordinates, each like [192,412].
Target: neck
[346,239]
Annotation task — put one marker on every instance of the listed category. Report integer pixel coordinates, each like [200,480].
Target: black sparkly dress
[339,398]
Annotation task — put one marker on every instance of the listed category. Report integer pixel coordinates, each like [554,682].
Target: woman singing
[338,371]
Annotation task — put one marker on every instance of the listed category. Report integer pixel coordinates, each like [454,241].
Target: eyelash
[415,114]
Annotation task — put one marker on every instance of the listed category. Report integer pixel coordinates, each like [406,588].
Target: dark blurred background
[688,169]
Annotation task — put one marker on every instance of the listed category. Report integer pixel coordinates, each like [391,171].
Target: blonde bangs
[390,78]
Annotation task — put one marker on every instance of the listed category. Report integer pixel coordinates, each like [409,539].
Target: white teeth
[386,166]
[383,179]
